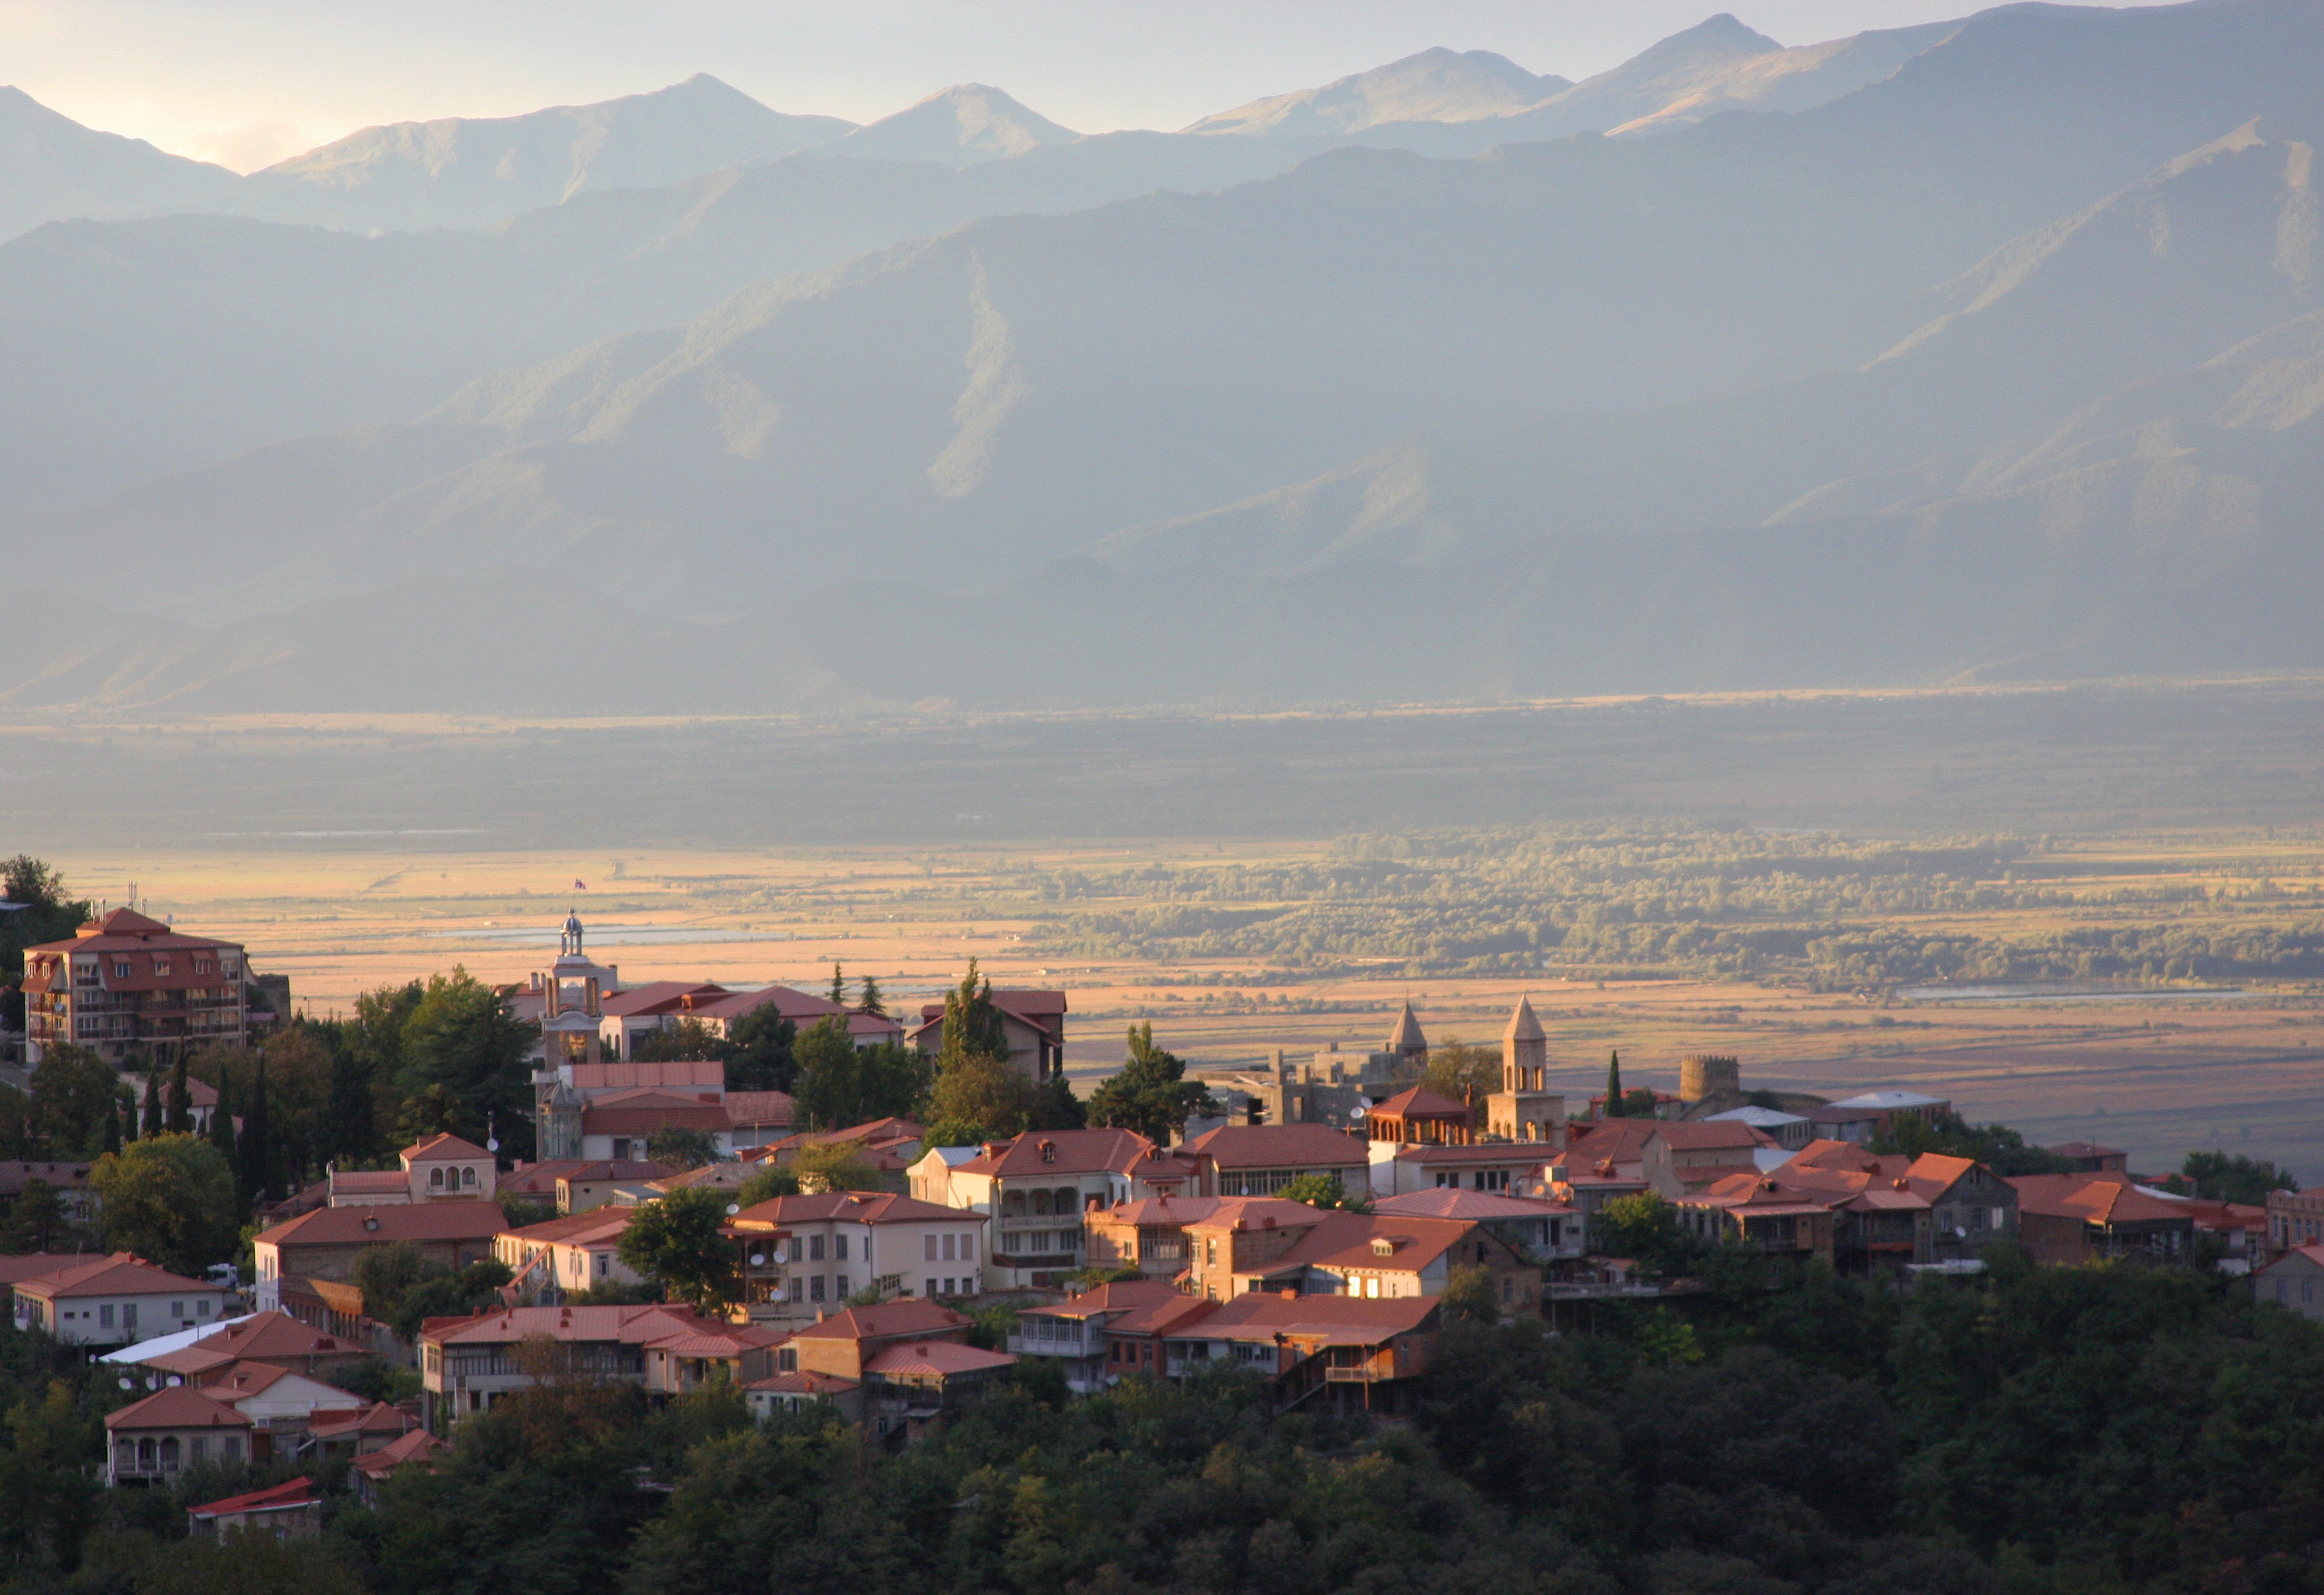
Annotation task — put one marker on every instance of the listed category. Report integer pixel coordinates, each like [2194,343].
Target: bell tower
[1525,1109]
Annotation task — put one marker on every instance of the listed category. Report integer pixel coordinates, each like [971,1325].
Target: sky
[246,82]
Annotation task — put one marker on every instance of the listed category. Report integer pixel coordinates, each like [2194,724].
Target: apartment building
[127,987]
[1035,1188]
[802,1256]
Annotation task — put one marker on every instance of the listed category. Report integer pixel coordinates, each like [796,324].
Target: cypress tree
[179,1120]
[113,1126]
[349,1127]
[1614,1084]
[871,1002]
[838,987]
[148,1121]
[222,1119]
[256,1162]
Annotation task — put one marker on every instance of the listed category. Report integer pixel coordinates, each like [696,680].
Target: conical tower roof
[1407,1036]
[1523,1026]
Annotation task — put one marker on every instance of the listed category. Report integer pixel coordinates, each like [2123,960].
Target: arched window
[1041,1201]
[145,1453]
[436,1179]
[468,1173]
[1012,1206]
[169,1454]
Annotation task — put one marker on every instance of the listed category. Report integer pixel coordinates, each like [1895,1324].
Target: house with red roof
[802,1255]
[275,1338]
[2295,1218]
[1541,1229]
[1337,1354]
[1148,1235]
[1034,1021]
[575,1184]
[566,1255]
[115,1301]
[2077,1218]
[287,1511]
[2295,1280]
[1260,1159]
[1894,1210]
[368,1471]
[911,1360]
[685,1359]
[1072,1332]
[467,1363]
[1419,1116]
[891,1146]
[152,1441]
[1398,1170]
[70,1181]
[1035,1188]
[325,1243]
[440,1169]
[127,986]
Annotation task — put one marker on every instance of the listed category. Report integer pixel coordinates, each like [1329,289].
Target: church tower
[1410,1046]
[1525,1109]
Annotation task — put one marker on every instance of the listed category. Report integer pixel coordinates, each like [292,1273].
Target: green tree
[765,1185]
[1469,1294]
[113,1136]
[840,1083]
[1642,1227]
[758,1052]
[462,1037]
[1463,1073]
[256,1169]
[872,1002]
[839,1166]
[222,1133]
[74,1097]
[1055,1107]
[838,987]
[676,1242]
[170,1198]
[1322,1190]
[402,1286]
[149,1119]
[682,1146]
[433,1112]
[1616,1108]
[2218,1177]
[179,1119]
[972,1025]
[352,1123]
[1150,1094]
[685,1041]
[36,1222]
[984,1090]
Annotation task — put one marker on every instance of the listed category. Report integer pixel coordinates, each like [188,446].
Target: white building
[115,1301]
[802,1255]
[1035,1188]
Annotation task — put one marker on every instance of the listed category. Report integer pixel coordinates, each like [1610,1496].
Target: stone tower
[1706,1074]
[1410,1046]
[1525,1109]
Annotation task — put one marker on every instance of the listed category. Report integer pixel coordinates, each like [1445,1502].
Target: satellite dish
[175,1381]
[733,1208]
[125,1381]
[758,1259]
[492,1145]
[1359,1111]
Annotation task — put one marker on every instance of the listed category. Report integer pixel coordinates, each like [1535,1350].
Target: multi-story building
[805,1255]
[1540,1230]
[2074,1218]
[1074,1332]
[1149,1236]
[466,1364]
[440,1168]
[2292,1280]
[1260,1159]
[2295,1218]
[1035,1188]
[129,988]
[565,1256]
[325,1243]
[1332,1353]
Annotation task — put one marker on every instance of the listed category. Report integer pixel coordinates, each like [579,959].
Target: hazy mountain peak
[1436,84]
[51,167]
[957,127]
[466,171]
[1715,38]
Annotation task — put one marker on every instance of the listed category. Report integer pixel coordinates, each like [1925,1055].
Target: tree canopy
[1150,1094]
[170,1198]
[840,1083]
[676,1243]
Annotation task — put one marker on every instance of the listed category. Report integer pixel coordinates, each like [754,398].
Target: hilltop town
[664,1189]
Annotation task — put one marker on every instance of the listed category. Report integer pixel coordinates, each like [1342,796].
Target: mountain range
[1982,350]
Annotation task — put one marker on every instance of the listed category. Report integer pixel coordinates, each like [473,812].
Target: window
[202,1308]
[815,1289]
[839,1285]
[968,1248]
[947,1249]
[177,1309]
[929,1248]
[932,1287]
[468,1173]
[120,969]
[814,1253]
[435,1177]
[104,1314]
[197,1449]
[602,1261]
[839,1247]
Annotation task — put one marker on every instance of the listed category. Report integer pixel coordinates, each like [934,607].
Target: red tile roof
[657,996]
[1481,1152]
[934,1359]
[64,1176]
[646,1109]
[628,1326]
[760,1108]
[853,1207]
[1260,1315]
[262,1337]
[1278,1146]
[1420,1102]
[1471,1206]
[121,1274]
[1117,1297]
[1155,1211]
[376,1225]
[180,1406]
[1075,1151]
[598,1225]
[1414,1243]
[734,1342]
[2099,1198]
[31,1265]
[1163,1317]
[888,1320]
[416,1446]
[443,1149]
[378,1418]
[539,1179]
[803,1383]
[293,1493]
